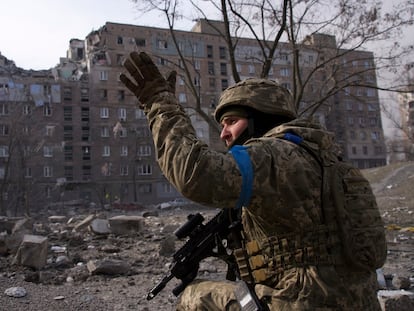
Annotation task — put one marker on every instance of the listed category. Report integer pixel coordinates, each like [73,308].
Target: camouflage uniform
[286,201]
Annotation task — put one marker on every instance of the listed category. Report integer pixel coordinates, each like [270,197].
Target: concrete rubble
[72,250]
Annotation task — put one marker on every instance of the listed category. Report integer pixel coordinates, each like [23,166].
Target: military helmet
[263,95]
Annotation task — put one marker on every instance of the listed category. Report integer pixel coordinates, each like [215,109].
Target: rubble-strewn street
[98,260]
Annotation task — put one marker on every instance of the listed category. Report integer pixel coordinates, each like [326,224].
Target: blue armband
[244,163]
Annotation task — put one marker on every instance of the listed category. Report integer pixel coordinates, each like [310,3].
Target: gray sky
[35,34]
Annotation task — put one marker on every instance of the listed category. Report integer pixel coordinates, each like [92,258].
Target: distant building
[93,143]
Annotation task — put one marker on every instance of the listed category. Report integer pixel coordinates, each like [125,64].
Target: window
[195,48]
[197,81]
[284,57]
[375,135]
[121,95]
[106,152]
[162,44]
[123,170]
[68,153]
[67,93]
[67,132]
[104,131]
[140,41]
[224,84]
[209,51]
[182,98]
[286,85]
[85,133]
[47,171]
[4,109]
[144,169]
[354,150]
[222,52]
[47,110]
[104,113]
[122,114]
[123,132]
[68,172]
[67,113]
[4,129]
[2,172]
[144,150]
[212,82]
[119,40]
[142,132]
[4,151]
[139,114]
[167,188]
[371,107]
[363,135]
[85,114]
[103,94]
[365,150]
[86,172]
[84,94]
[86,154]
[124,151]
[238,68]
[371,93]
[284,72]
[28,172]
[145,188]
[47,151]
[251,69]
[48,192]
[197,65]
[103,75]
[27,110]
[223,69]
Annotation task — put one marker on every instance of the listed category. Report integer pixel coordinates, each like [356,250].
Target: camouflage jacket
[286,199]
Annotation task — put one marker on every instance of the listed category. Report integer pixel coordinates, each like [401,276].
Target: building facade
[101,149]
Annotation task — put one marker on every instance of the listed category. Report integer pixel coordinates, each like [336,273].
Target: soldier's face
[232,127]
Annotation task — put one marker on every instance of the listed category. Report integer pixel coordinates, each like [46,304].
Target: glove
[148,79]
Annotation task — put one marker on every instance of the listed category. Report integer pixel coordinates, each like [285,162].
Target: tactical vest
[351,237]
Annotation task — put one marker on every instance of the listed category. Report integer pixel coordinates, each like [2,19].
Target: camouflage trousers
[209,296]
[203,295]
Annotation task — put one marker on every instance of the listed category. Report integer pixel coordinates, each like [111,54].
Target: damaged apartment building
[95,144]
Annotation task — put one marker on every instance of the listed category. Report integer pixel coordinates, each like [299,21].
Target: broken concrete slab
[100,226]
[84,223]
[108,266]
[125,224]
[32,251]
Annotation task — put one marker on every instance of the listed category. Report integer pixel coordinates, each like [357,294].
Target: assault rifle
[206,240]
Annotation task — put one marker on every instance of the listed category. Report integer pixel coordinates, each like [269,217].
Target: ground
[72,288]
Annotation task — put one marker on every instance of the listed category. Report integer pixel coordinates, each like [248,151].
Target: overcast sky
[36,33]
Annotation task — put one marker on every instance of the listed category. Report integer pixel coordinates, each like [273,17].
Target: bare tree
[293,27]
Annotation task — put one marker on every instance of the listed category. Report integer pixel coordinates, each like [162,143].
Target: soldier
[301,265]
